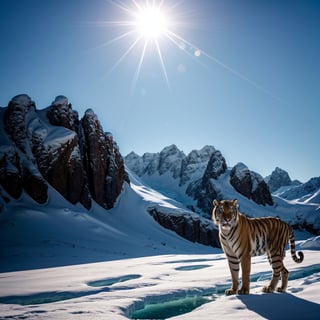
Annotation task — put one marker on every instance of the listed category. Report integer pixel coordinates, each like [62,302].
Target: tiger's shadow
[280,306]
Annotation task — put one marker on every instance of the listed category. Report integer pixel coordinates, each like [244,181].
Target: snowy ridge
[304,193]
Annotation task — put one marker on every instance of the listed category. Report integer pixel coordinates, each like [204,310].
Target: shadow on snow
[281,306]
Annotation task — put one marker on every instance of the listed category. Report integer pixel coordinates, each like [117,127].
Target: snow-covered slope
[308,192]
[59,233]
[170,171]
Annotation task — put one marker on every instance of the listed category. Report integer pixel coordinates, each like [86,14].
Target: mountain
[172,160]
[54,147]
[194,175]
[308,192]
[211,178]
[281,185]
[279,178]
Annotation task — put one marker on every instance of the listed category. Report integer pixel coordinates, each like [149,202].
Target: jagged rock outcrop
[279,178]
[171,161]
[190,226]
[18,166]
[116,173]
[196,162]
[52,146]
[250,184]
[203,190]
[61,114]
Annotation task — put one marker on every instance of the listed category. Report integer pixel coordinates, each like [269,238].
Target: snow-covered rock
[171,161]
[203,190]
[279,178]
[195,164]
[308,192]
[250,184]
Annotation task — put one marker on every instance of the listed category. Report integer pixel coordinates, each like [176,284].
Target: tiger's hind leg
[276,262]
[284,280]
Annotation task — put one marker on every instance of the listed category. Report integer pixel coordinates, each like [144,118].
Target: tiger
[242,237]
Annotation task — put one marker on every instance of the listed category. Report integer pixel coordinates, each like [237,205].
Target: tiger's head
[225,214]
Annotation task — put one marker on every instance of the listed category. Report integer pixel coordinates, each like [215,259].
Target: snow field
[116,289]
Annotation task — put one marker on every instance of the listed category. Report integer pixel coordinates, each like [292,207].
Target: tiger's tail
[293,249]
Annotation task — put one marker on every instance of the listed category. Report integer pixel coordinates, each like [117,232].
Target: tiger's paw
[267,289]
[279,289]
[243,291]
[230,292]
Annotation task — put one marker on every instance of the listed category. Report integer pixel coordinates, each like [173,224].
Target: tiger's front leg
[246,268]
[234,269]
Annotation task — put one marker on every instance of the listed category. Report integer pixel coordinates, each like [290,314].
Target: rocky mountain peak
[203,190]
[216,166]
[278,178]
[193,166]
[52,146]
[60,113]
[170,160]
[250,184]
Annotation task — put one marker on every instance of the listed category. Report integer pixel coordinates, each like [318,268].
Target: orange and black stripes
[242,237]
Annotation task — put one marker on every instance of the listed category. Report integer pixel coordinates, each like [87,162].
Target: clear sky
[241,75]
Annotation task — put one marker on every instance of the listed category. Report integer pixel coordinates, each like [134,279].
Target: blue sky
[253,93]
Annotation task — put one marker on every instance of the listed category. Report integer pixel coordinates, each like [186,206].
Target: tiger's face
[225,214]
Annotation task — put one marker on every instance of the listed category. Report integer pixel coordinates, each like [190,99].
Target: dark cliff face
[190,226]
[203,190]
[250,184]
[52,146]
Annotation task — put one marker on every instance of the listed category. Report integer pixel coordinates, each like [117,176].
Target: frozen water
[193,267]
[165,310]
[111,281]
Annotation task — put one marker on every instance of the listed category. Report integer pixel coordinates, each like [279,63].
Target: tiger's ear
[235,202]
[216,202]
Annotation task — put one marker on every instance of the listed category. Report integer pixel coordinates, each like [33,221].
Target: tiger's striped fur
[242,237]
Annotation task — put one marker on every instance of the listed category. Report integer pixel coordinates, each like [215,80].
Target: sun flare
[151,22]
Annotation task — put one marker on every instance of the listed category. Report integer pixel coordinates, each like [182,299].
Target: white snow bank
[311,244]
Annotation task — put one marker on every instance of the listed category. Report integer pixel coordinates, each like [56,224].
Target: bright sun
[151,22]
